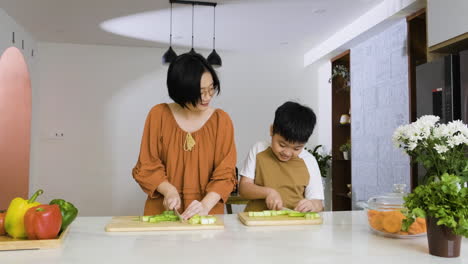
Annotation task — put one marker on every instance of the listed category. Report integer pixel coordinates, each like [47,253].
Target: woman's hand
[172,200]
[194,208]
[273,200]
[305,205]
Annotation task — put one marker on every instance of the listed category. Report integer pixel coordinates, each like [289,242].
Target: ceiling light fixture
[214,59]
[170,54]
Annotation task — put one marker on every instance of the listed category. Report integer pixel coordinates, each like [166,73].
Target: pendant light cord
[170,33]
[193,8]
[214,26]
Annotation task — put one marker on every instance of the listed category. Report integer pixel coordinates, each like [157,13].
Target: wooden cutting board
[8,243]
[276,220]
[132,224]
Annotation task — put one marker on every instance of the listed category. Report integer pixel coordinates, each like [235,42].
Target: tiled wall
[379,104]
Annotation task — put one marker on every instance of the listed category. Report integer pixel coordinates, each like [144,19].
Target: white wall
[446,20]
[98,96]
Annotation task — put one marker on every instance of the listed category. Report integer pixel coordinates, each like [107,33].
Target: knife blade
[180,217]
[286,209]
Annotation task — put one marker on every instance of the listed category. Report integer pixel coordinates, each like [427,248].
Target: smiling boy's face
[283,149]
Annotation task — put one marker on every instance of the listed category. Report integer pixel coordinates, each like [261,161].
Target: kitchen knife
[180,217]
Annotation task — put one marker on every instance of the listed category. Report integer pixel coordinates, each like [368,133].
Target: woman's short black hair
[294,122]
[183,78]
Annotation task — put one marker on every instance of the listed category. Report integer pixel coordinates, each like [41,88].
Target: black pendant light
[214,59]
[170,54]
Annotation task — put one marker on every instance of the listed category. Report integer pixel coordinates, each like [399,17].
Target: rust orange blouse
[208,167]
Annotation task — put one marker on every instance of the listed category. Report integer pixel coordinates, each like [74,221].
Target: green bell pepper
[68,210]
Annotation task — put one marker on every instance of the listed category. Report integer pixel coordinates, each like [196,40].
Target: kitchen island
[344,237]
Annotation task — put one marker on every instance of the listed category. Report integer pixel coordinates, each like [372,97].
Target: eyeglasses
[208,91]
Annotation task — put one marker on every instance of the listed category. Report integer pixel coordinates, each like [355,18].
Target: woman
[188,156]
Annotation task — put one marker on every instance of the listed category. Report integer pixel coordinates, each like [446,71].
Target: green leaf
[418,212]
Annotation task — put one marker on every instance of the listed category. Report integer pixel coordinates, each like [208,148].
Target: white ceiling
[240,24]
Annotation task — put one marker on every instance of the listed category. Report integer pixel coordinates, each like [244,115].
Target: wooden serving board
[8,243]
[276,220]
[132,224]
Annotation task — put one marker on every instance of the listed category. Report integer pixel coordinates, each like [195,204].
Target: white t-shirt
[314,189]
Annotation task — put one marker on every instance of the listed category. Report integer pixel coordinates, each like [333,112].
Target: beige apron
[288,178]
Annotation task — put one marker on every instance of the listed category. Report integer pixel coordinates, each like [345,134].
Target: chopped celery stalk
[312,215]
[296,214]
[251,214]
[194,220]
[282,212]
[266,213]
[168,213]
[164,217]
[208,220]
[259,214]
[172,217]
[274,213]
[154,220]
[212,220]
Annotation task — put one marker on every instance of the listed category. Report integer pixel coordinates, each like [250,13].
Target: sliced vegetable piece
[195,220]
[208,220]
[282,212]
[296,214]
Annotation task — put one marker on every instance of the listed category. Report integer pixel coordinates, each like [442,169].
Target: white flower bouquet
[440,148]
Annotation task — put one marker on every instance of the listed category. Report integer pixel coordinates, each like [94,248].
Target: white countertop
[343,238]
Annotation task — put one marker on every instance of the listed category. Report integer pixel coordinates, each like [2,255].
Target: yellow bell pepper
[14,219]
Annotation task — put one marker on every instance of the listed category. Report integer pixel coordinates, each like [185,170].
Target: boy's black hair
[183,78]
[294,122]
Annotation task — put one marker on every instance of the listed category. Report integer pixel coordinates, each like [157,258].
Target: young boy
[282,174]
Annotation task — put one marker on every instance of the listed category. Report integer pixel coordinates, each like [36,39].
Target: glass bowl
[385,217]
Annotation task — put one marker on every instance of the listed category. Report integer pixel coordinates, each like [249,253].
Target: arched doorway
[15,126]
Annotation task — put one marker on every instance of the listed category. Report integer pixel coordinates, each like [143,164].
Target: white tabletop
[343,238]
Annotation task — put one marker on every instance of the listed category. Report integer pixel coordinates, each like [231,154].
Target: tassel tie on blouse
[189,142]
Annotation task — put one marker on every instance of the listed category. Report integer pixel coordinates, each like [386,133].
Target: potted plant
[444,205]
[323,160]
[340,70]
[440,148]
[346,149]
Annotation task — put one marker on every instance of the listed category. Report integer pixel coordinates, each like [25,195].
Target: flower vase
[346,155]
[442,241]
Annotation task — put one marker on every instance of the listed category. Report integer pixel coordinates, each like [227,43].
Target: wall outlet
[56,134]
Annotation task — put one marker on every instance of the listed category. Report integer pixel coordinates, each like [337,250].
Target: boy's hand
[309,206]
[273,200]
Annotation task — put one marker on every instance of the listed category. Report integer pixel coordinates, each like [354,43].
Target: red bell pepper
[43,221]
[2,223]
